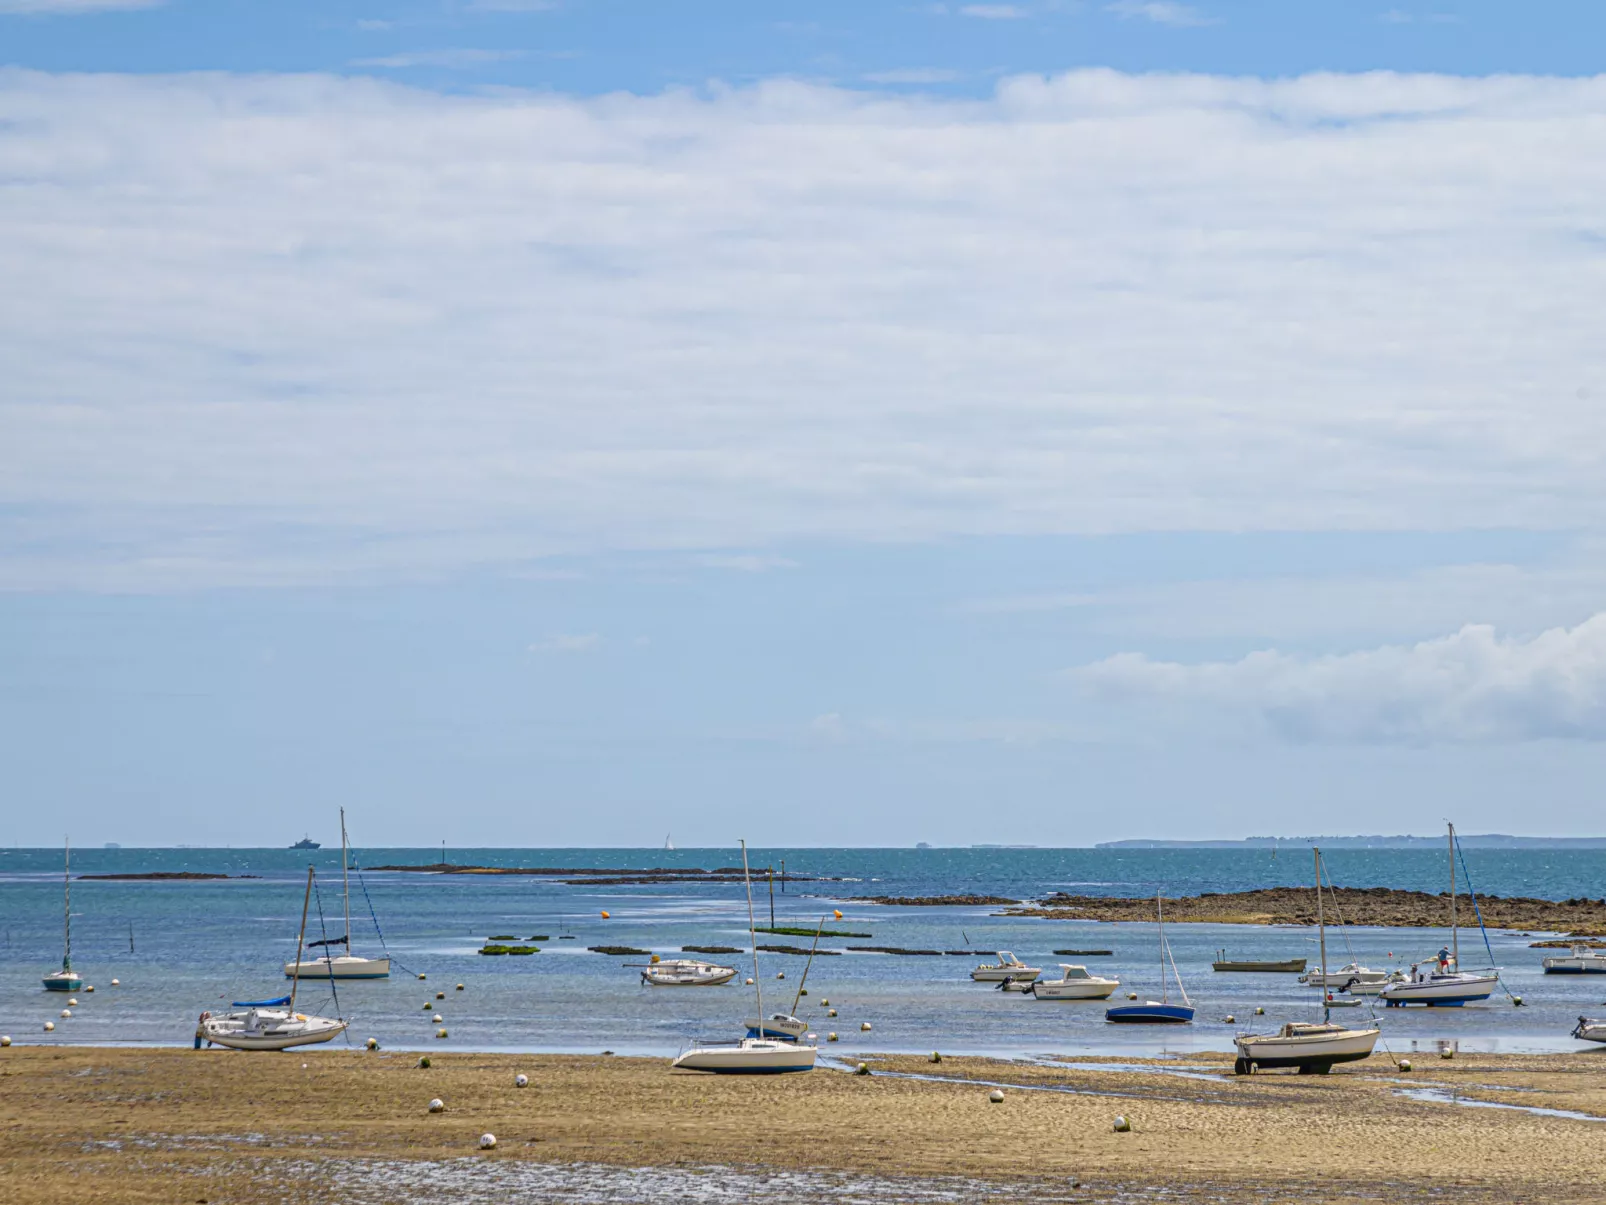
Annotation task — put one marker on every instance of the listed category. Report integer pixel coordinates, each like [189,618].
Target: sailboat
[347,965]
[787,1026]
[272,1024]
[1311,1048]
[66,979]
[1160,1011]
[669,845]
[750,1056]
[1443,984]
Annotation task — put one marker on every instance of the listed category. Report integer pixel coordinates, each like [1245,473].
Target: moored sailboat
[347,965]
[66,979]
[1161,1011]
[1312,1048]
[1440,982]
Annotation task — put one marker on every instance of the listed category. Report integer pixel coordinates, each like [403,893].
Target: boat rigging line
[1516,1001]
[324,931]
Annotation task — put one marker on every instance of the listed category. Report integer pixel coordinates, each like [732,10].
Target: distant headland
[1468,840]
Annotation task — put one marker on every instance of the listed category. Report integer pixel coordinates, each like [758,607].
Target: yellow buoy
[830,1012]
[421,974]
[372,1043]
[440,995]
[440,1033]
[1122,1125]
[837,912]
[1405,1064]
[830,1037]
[459,987]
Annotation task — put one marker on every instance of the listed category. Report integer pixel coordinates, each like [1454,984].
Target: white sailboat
[787,1026]
[1441,982]
[749,1056]
[66,979]
[271,1024]
[685,972]
[347,965]
[1311,1048]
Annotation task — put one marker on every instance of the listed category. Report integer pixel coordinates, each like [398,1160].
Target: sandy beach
[101,1125]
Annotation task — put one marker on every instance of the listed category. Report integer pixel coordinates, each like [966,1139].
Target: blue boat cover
[261,1003]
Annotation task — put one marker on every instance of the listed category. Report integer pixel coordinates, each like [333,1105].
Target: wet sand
[102,1125]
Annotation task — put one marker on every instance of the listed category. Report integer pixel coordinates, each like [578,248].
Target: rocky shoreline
[1383,907]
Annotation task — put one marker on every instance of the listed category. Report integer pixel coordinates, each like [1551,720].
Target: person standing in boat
[1444,958]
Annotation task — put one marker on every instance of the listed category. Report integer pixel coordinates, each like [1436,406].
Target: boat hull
[1149,1014]
[1588,1030]
[63,982]
[749,1057]
[1084,990]
[1572,966]
[777,1028]
[282,1031]
[1287,966]
[1316,1052]
[1446,992]
[686,974]
[999,974]
[340,968]
[1347,978]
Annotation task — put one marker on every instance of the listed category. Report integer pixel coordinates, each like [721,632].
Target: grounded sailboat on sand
[750,1056]
[271,1024]
[1312,1048]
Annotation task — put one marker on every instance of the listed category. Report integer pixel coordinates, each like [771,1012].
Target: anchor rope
[374,916]
[1478,912]
[323,930]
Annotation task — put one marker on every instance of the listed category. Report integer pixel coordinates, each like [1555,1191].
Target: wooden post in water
[772,897]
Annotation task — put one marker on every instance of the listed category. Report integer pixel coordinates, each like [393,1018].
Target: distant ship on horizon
[307,843]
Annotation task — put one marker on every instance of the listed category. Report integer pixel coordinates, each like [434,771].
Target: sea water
[202,944]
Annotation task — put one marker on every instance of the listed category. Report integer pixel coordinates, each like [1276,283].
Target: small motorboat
[783,1027]
[1310,1047]
[1588,1030]
[1345,978]
[1286,965]
[339,966]
[685,972]
[1583,960]
[1007,967]
[1373,987]
[268,1025]
[1074,983]
[1331,1001]
[748,1056]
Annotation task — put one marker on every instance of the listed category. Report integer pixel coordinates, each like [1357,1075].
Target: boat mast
[806,967]
[66,905]
[345,882]
[1455,933]
[758,983]
[295,979]
[1159,910]
[1321,933]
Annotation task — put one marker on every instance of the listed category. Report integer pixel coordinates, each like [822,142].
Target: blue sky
[834,423]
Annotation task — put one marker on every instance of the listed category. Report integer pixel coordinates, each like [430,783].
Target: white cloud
[454,59]
[568,643]
[1472,686]
[263,329]
[994,12]
[72,7]
[1161,12]
[913,75]
[745,562]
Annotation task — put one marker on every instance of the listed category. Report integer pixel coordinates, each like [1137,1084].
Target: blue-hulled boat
[1151,1012]
[1162,1011]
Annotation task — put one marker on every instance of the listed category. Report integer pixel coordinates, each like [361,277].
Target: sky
[564,423]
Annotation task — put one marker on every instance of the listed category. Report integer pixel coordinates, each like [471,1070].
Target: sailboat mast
[345,881]
[295,979]
[1159,910]
[758,983]
[1455,933]
[1321,931]
[806,966]
[66,905]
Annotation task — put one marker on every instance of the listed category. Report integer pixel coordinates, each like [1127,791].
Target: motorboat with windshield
[1007,967]
[685,972]
[1313,1048]
[1074,983]
[1583,960]
[1345,978]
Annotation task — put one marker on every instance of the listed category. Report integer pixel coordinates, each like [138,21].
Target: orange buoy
[836,912]
[605,914]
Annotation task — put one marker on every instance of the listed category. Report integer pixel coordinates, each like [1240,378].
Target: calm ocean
[196,945]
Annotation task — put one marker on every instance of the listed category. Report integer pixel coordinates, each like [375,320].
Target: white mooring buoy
[437,1105]
[372,1043]
[50,1026]
[996,1096]
[865,1025]
[1122,1125]
[65,1013]
[5,1039]
[521,1081]
[437,1019]
[487,1142]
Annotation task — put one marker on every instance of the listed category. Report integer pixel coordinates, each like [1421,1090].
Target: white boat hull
[269,1030]
[1085,989]
[343,966]
[1306,1047]
[782,1027]
[1350,978]
[1592,963]
[682,973]
[1443,991]
[750,1056]
[1022,974]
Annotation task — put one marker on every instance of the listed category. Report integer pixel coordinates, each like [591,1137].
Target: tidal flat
[87,1124]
